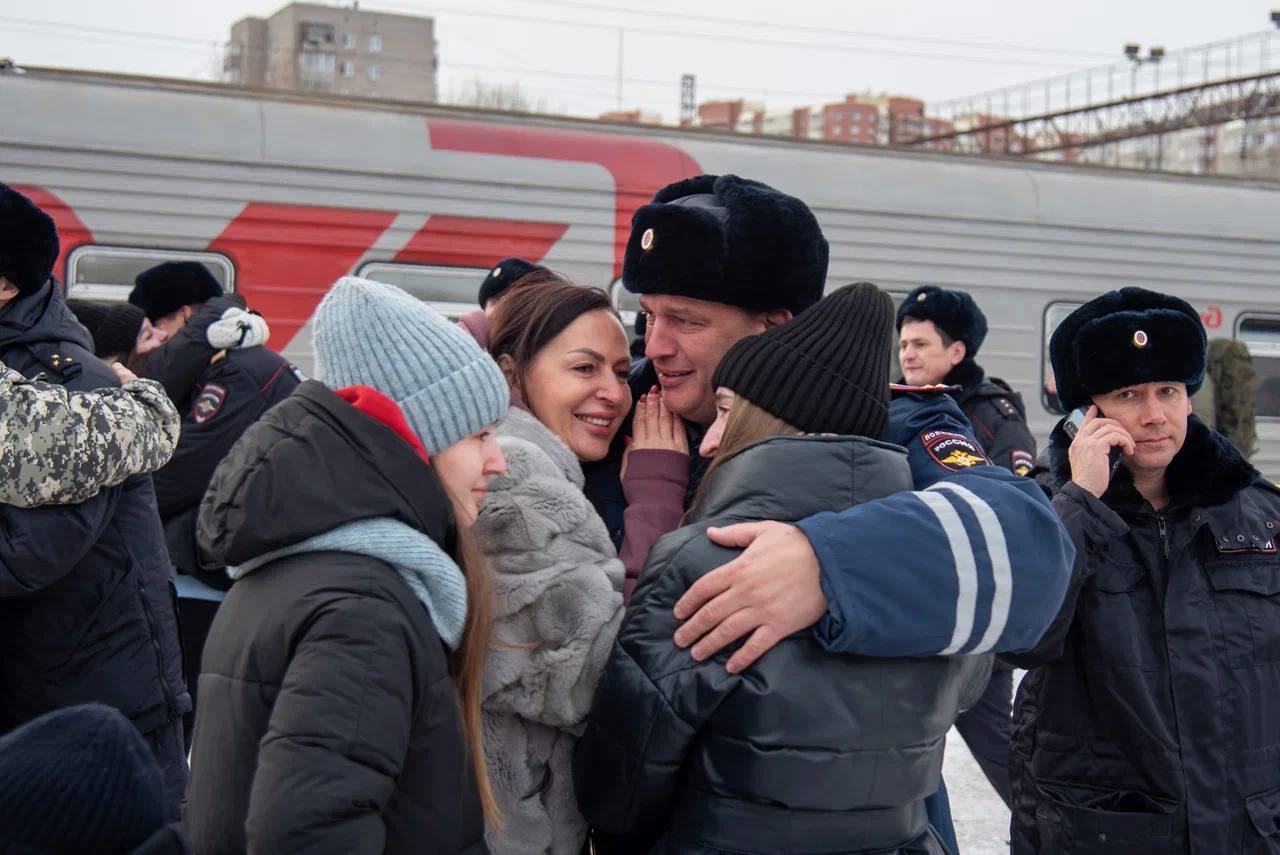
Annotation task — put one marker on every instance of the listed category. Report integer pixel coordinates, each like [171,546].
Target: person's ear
[958,352]
[776,318]
[508,366]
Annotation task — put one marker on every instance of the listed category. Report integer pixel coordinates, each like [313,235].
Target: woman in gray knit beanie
[340,695]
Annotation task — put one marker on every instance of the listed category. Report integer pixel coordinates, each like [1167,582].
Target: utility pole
[688,100]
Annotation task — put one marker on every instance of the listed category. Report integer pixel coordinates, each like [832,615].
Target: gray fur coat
[558,604]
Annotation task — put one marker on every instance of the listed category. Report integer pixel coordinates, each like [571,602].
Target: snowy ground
[982,821]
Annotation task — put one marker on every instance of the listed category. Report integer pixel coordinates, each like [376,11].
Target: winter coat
[558,604]
[234,388]
[1150,719]
[86,612]
[998,416]
[62,447]
[328,720]
[803,752]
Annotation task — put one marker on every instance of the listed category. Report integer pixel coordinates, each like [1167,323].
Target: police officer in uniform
[939,333]
[1149,721]
[232,391]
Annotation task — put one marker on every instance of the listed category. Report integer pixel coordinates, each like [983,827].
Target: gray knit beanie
[371,334]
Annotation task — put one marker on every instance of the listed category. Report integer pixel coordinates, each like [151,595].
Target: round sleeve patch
[208,402]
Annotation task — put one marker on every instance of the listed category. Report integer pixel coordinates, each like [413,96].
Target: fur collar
[1207,471]
[521,424]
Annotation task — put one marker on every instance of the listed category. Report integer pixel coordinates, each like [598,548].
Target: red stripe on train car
[478,242]
[71,231]
[287,256]
[639,166]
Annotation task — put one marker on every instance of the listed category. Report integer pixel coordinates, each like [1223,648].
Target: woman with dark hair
[341,682]
[805,751]
[558,579]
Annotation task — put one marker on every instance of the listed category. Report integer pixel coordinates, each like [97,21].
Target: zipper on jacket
[1164,535]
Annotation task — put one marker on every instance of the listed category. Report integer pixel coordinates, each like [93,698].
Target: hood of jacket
[42,316]
[788,478]
[1207,470]
[311,464]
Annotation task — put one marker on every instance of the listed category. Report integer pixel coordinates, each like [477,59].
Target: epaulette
[1006,408]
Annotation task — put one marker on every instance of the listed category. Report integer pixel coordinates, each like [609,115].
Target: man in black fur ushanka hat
[1149,720]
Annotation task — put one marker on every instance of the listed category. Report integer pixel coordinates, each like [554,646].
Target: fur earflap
[953,312]
[1124,338]
[727,240]
[28,242]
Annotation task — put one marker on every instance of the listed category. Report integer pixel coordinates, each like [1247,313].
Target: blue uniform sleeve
[975,560]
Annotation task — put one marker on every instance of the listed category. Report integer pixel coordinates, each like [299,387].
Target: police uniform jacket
[805,751]
[998,416]
[1151,720]
[232,391]
[85,607]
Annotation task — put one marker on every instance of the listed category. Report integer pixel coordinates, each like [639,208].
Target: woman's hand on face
[655,428]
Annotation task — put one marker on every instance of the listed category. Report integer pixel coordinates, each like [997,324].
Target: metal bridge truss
[1202,105]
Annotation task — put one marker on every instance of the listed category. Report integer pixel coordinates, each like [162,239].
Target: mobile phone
[1071,427]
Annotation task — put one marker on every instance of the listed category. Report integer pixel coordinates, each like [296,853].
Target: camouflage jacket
[63,447]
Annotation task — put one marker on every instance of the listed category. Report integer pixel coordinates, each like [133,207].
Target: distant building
[740,116]
[346,51]
[638,117]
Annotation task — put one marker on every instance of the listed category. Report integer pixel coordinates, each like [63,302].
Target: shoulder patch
[206,404]
[297,372]
[952,451]
[1021,462]
[1006,408]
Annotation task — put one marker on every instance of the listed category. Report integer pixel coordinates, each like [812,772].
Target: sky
[564,54]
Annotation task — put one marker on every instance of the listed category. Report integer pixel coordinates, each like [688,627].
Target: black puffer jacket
[804,752]
[1152,724]
[231,391]
[86,612]
[328,721]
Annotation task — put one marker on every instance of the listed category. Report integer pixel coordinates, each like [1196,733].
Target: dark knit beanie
[503,276]
[28,242]
[727,240]
[827,371]
[114,326]
[1124,338]
[78,780]
[165,288]
[953,312]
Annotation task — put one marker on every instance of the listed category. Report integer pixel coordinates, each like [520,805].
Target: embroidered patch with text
[952,451]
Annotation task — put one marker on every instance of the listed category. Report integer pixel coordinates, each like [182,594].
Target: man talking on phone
[1150,719]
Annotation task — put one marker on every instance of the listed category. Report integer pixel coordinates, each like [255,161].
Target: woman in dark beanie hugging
[340,689]
[805,751]
[557,577]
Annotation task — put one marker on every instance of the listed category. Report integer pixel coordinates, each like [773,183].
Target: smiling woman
[558,580]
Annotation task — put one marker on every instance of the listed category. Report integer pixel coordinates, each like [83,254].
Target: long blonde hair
[467,662]
[747,423]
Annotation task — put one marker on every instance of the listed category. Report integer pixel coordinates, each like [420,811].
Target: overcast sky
[934,49]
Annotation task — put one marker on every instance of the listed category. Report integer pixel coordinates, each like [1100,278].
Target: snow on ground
[981,819]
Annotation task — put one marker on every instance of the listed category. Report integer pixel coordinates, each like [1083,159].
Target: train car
[279,194]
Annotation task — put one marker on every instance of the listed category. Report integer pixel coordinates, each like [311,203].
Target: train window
[451,291]
[107,272]
[1054,314]
[627,304]
[1262,336]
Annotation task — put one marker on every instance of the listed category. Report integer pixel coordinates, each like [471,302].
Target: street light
[1133,52]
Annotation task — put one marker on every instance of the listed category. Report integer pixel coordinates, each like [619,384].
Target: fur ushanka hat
[1124,338]
[728,240]
[28,242]
[953,312]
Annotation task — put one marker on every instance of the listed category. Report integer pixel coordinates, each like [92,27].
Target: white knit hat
[371,334]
